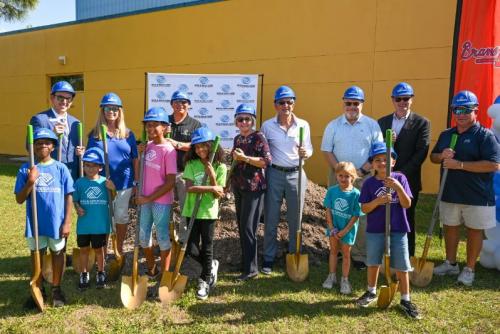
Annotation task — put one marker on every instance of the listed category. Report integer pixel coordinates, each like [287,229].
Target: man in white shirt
[282,133]
[349,137]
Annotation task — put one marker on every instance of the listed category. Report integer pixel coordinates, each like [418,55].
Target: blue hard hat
[94,155]
[156,114]
[245,108]
[284,92]
[62,86]
[44,133]
[497,100]
[379,147]
[202,135]
[464,98]
[179,95]
[111,99]
[402,89]
[354,93]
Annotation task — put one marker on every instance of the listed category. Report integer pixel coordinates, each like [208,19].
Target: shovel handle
[80,143]
[299,192]
[59,148]
[34,213]
[388,146]
[104,131]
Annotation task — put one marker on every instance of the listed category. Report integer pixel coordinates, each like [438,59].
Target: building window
[75,80]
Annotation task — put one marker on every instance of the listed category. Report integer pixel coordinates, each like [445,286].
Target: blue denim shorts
[158,215]
[400,258]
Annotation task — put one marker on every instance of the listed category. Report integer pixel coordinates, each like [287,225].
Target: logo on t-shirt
[341,204]
[93,192]
[150,155]
[44,180]
[382,191]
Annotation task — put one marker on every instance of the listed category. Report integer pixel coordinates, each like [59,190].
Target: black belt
[285,169]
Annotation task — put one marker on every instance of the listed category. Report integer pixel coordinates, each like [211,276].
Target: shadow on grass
[9,169]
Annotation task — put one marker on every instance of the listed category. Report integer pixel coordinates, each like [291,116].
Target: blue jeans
[398,243]
[281,185]
[158,215]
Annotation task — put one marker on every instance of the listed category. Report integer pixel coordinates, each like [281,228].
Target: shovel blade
[47,267]
[36,293]
[115,268]
[171,288]
[421,276]
[387,294]
[76,260]
[133,297]
[297,267]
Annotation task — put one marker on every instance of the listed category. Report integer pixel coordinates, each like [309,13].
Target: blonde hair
[121,131]
[348,167]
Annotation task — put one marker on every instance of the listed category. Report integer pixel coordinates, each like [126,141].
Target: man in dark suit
[411,143]
[62,123]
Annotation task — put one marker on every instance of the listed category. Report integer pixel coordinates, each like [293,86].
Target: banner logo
[203,113]
[225,90]
[225,118]
[161,81]
[204,82]
[93,192]
[487,55]
[183,88]
[246,82]
[44,180]
[341,204]
[150,155]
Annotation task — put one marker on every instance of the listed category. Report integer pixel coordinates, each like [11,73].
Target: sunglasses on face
[111,109]
[354,104]
[282,103]
[462,110]
[399,99]
[180,101]
[243,119]
[61,98]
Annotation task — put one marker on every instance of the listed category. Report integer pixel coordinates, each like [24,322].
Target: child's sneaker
[331,279]
[100,280]
[84,281]
[447,269]
[466,277]
[345,286]
[366,299]
[410,309]
[213,274]
[58,299]
[267,268]
[203,289]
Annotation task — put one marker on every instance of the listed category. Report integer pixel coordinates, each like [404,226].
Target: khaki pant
[358,250]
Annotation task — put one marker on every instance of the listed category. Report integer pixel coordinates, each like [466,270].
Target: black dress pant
[201,245]
[410,212]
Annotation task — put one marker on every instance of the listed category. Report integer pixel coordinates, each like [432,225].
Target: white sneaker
[466,277]
[447,269]
[345,287]
[213,274]
[203,290]
[331,279]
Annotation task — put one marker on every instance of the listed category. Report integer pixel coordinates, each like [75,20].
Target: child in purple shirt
[374,196]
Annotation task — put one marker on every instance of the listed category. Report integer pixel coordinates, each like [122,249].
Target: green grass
[267,304]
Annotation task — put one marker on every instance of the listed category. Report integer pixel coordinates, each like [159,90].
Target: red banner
[478,53]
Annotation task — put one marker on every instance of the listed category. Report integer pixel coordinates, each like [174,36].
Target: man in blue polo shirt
[282,134]
[468,194]
[350,137]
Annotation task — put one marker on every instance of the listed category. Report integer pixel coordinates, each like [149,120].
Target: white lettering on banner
[214,98]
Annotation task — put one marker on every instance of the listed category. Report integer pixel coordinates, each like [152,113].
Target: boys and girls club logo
[382,191]
[204,82]
[203,113]
[246,82]
[183,88]
[160,96]
[225,120]
[203,97]
[225,89]
[341,204]
[224,134]
[44,180]
[160,81]
[93,192]
[225,105]
[246,97]
[150,155]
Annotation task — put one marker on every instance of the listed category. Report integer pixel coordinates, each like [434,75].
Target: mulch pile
[227,244]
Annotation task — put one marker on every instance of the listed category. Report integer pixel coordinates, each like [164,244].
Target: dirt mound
[227,244]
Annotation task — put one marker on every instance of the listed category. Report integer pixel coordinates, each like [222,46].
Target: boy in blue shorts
[54,186]
[91,203]
[373,198]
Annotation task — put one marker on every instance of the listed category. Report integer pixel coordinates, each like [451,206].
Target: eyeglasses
[180,101]
[354,104]
[462,110]
[243,119]
[399,99]
[61,98]
[282,103]
[110,109]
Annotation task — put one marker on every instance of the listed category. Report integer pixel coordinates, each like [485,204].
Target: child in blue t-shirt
[374,196]
[342,213]
[91,203]
[53,185]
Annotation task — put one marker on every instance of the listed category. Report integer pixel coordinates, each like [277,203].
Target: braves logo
[44,180]
[93,192]
[340,204]
[150,155]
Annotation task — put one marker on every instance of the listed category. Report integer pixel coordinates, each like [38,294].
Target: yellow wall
[318,47]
